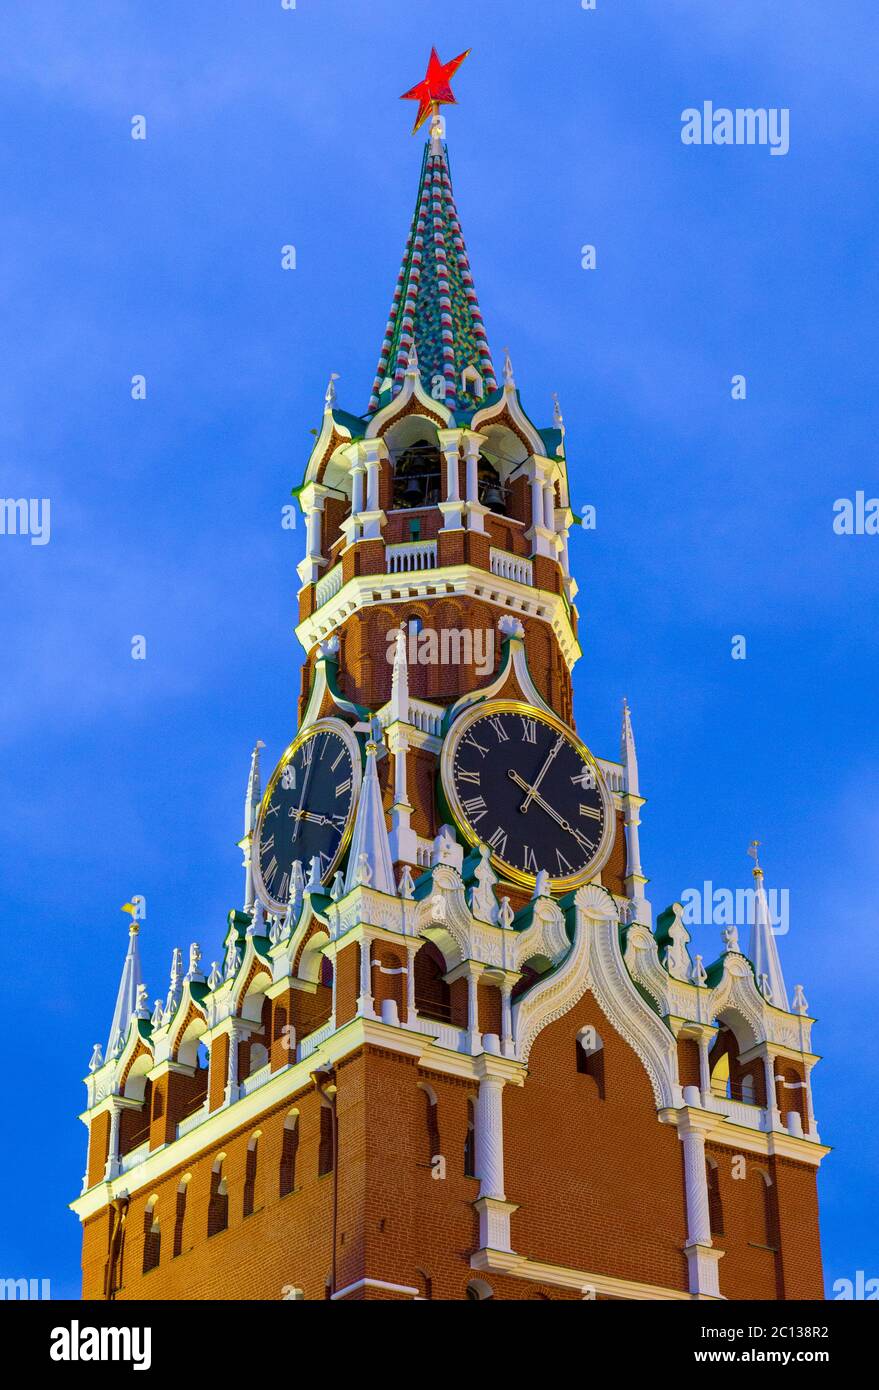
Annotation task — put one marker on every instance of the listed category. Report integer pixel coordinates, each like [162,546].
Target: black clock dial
[306,811]
[527,788]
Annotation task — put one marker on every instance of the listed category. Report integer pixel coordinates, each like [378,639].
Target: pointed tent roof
[126,999]
[763,951]
[434,305]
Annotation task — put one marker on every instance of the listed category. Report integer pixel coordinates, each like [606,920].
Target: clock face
[522,783]
[307,809]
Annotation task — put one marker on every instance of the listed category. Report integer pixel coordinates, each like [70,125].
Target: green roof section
[435,310]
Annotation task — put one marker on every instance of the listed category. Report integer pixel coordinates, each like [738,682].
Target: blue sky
[266,127]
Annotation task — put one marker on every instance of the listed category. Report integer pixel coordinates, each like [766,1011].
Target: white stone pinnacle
[370,836]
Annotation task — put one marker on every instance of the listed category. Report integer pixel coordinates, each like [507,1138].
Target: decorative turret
[632,802]
[127,999]
[763,951]
[251,808]
[369,862]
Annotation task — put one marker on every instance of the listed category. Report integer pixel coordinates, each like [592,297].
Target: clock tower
[445,1052]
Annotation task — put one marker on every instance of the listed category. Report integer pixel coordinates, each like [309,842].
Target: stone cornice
[586,1283]
[508,596]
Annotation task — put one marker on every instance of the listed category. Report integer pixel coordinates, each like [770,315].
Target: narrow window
[218,1206]
[590,1057]
[715,1207]
[289,1147]
[761,1212]
[152,1239]
[325,1153]
[180,1215]
[478,1291]
[431,1125]
[470,1142]
[250,1176]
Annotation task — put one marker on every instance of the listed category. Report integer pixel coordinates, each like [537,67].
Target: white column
[357,471]
[372,477]
[312,533]
[702,1258]
[704,1072]
[771,1097]
[474,508]
[473,973]
[364,1003]
[549,505]
[453,493]
[235,1036]
[410,982]
[507,1018]
[400,795]
[536,502]
[696,1183]
[451,506]
[490,1138]
[111,1168]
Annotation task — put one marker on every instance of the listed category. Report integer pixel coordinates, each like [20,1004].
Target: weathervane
[752,850]
[435,88]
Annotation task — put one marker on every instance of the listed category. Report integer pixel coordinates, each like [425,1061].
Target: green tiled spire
[435,309]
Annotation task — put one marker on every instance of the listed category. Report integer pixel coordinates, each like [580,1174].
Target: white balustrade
[514,567]
[329,586]
[136,1156]
[193,1121]
[255,1080]
[410,556]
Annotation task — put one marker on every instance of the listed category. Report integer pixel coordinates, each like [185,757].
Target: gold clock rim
[320,726]
[518,877]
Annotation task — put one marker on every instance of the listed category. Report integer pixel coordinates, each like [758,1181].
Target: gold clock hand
[542,773]
[550,810]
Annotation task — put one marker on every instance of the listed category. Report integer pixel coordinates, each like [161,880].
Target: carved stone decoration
[677,957]
[482,900]
[730,936]
[233,961]
[194,971]
[800,1003]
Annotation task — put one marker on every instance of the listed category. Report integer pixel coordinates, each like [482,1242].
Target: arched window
[470,1141]
[418,475]
[326,1154]
[180,1214]
[250,1174]
[433,997]
[478,1291]
[492,493]
[749,1090]
[152,1238]
[259,1057]
[425,1285]
[289,1148]
[715,1208]
[590,1057]
[218,1206]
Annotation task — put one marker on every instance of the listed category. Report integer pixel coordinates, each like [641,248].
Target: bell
[493,497]
[412,491]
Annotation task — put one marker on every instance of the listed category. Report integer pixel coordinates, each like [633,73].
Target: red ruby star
[434,90]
